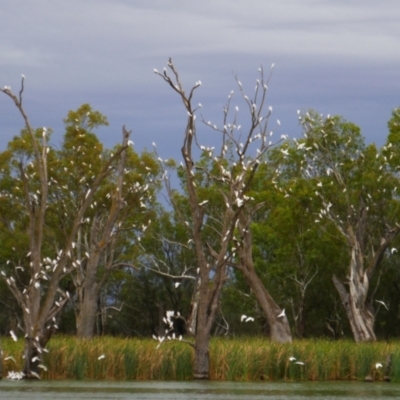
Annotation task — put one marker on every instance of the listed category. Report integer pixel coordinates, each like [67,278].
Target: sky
[337,57]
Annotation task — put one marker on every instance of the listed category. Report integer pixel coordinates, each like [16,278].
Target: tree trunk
[1,361]
[202,334]
[279,327]
[192,320]
[299,319]
[88,286]
[33,352]
[86,315]
[359,310]
[32,359]
[208,299]
[359,313]
[201,357]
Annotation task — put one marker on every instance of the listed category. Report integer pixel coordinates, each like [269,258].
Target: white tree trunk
[354,300]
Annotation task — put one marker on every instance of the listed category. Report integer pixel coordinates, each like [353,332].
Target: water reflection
[196,390]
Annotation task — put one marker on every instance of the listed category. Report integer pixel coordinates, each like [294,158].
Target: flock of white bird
[169,331]
[17,376]
[245,318]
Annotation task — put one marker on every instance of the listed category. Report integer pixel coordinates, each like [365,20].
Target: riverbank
[244,359]
[196,390]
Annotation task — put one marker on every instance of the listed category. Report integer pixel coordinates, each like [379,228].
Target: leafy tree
[112,225]
[28,191]
[353,189]
[291,255]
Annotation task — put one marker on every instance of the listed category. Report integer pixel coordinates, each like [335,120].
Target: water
[196,390]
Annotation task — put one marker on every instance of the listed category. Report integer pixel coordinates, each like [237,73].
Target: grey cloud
[340,56]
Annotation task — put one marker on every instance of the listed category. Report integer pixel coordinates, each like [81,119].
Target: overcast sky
[338,57]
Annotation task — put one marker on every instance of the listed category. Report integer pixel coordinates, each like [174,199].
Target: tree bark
[209,293]
[299,319]
[32,359]
[359,313]
[34,349]
[1,361]
[208,296]
[359,310]
[202,356]
[88,291]
[279,326]
[192,320]
[86,316]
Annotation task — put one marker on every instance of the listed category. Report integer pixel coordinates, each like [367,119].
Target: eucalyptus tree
[35,282]
[290,255]
[354,190]
[279,329]
[119,213]
[227,175]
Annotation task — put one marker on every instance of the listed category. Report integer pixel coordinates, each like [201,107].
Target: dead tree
[230,173]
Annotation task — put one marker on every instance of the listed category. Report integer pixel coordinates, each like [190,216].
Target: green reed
[242,359]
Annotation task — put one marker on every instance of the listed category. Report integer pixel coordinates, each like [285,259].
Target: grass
[244,359]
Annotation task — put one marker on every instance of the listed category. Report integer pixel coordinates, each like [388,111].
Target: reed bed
[244,359]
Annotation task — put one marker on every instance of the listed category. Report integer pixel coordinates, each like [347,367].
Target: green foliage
[392,148]
[85,118]
[297,247]
[71,171]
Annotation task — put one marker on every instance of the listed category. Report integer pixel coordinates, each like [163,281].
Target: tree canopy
[277,237]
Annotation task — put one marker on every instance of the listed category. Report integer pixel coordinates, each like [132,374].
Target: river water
[76,390]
